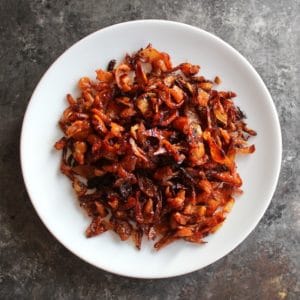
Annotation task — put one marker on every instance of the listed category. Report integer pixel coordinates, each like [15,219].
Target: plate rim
[277,131]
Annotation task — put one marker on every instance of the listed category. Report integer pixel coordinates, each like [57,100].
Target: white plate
[51,192]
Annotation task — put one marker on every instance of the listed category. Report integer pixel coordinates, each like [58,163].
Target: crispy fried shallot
[150,150]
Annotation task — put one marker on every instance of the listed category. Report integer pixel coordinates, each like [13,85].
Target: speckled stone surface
[33,265]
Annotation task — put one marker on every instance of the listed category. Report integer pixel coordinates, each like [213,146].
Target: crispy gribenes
[150,149]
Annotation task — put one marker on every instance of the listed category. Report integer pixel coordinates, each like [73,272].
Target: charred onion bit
[150,150]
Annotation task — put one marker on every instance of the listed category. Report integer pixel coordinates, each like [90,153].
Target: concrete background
[33,265]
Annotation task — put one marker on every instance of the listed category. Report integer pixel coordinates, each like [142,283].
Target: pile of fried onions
[150,150]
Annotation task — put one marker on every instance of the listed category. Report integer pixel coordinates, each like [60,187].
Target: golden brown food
[150,150]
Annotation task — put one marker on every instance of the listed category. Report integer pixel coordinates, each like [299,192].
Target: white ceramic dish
[51,192]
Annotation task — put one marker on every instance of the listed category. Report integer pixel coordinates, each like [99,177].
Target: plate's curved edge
[241,57]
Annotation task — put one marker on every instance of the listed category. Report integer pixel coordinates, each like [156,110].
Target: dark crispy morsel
[111,65]
[150,149]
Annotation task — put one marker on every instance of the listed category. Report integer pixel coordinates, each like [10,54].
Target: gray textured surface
[33,265]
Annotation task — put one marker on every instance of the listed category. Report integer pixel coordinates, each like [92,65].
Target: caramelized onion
[150,150]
